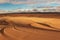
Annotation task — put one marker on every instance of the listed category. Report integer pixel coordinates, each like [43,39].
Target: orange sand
[30,33]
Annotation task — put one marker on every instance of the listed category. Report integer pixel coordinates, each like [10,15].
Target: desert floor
[27,27]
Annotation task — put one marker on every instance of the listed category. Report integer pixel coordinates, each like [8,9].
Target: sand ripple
[25,29]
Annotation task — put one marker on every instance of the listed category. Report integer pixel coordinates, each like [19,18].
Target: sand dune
[29,28]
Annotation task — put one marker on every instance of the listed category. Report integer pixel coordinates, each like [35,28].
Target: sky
[26,4]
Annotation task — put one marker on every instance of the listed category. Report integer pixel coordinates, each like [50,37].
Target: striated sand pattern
[31,27]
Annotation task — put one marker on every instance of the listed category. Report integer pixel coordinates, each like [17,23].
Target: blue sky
[9,6]
[23,4]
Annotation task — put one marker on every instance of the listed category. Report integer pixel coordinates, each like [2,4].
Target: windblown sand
[26,33]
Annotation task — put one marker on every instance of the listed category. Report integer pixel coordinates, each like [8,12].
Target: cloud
[28,1]
[3,1]
[18,1]
[3,11]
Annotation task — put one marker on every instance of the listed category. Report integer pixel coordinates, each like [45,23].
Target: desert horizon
[29,19]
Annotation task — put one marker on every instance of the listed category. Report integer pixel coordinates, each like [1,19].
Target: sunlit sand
[29,28]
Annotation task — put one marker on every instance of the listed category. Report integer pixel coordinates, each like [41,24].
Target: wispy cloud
[28,1]
[18,1]
[16,4]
